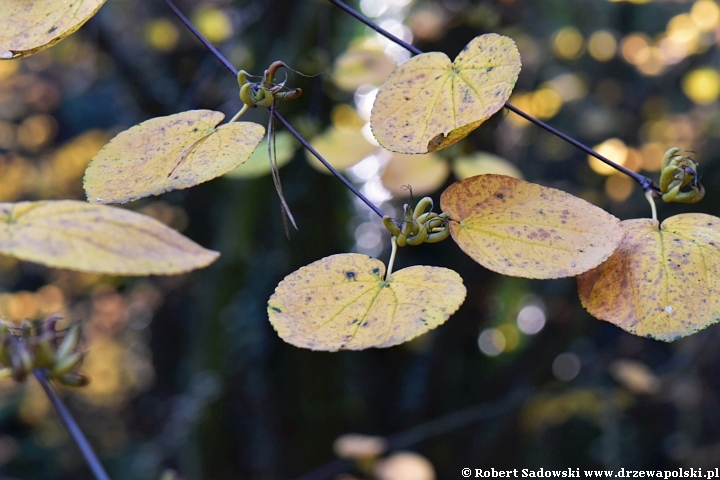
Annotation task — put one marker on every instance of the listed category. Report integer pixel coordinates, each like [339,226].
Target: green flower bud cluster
[419,225]
[679,172]
[40,345]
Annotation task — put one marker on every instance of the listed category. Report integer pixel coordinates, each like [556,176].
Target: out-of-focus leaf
[424,173]
[518,228]
[342,148]
[429,103]
[169,153]
[342,302]
[635,376]
[258,164]
[361,64]
[96,238]
[28,26]
[482,163]
[663,281]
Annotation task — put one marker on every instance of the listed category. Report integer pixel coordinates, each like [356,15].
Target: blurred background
[187,373]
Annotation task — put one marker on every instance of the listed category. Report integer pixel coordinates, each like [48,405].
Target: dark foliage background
[187,372]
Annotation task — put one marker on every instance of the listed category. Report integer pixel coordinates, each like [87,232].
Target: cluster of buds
[680,172]
[39,345]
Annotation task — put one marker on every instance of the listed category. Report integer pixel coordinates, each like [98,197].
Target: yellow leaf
[481,163]
[428,102]
[96,238]
[168,153]
[342,302]
[424,173]
[342,148]
[28,26]
[521,229]
[258,164]
[662,283]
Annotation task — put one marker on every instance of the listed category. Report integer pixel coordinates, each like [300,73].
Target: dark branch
[72,426]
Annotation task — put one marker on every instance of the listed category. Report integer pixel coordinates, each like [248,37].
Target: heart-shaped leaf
[169,153]
[28,26]
[521,229]
[429,102]
[662,282]
[342,302]
[96,238]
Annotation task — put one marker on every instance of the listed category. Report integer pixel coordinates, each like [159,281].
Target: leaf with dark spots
[663,281]
[411,302]
[516,228]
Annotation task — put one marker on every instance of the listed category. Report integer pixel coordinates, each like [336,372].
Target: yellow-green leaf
[481,163]
[342,302]
[96,238]
[169,153]
[429,102]
[662,282]
[258,164]
[28,26]
[521,229]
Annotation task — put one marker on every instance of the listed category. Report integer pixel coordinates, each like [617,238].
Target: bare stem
[646,183]
[277,115]
[87,451]
[391,262]
[651,200]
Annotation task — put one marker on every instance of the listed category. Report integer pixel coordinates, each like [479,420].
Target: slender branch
[200,37]
[646,183]
[72,426]
[277,115]
[344,180]
[376,27]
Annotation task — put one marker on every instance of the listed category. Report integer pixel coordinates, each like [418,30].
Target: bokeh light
[531,319]
[602,45]
[566,366]
[213,23]
[491,342]
[613,149]
[618,187]
[568,43]
[702,85]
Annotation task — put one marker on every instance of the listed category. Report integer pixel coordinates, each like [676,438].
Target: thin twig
[87,451]
[340,177]
[200,37]
[646,183]
[277,115]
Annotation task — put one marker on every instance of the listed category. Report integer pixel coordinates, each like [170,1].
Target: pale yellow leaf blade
[342,302]
[96,238]
[169,153]
[28,26]
[662,282]
[525,230]
[429,103]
